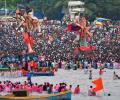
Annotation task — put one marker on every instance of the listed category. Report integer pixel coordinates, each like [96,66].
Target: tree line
[51,8]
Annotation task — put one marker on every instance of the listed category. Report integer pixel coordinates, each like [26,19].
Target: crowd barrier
[58,96]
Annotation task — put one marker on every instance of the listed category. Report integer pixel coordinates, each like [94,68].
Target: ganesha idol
[82,29]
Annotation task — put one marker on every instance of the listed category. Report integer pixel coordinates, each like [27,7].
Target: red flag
[99,84]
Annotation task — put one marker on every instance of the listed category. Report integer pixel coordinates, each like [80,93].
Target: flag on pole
[99,84]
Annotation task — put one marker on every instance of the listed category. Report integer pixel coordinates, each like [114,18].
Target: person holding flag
[99,86]
[91,92]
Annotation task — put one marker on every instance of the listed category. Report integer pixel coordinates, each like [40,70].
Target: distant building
[76,7]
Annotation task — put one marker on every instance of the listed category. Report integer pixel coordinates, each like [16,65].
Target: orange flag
[98,83]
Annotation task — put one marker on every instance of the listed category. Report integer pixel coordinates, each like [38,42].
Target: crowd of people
[11,74]
[57,44]
[8,87]
[54,48]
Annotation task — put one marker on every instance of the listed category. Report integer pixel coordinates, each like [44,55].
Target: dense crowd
[8,87]
[56,44]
